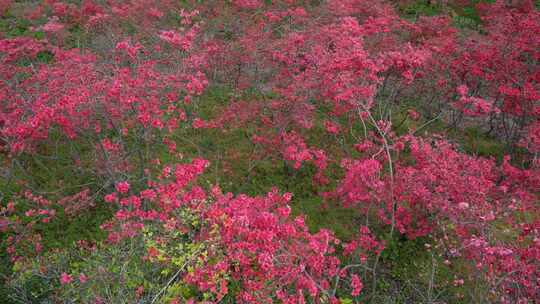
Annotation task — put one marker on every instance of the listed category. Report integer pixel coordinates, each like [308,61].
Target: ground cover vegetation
[250,151]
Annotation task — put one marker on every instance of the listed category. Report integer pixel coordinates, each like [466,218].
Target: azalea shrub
[343,151]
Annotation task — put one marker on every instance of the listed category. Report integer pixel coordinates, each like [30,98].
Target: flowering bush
[269,152]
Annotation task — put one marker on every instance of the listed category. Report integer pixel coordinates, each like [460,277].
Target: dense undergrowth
[248,151]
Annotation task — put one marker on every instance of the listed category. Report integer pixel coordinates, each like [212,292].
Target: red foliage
[354,62]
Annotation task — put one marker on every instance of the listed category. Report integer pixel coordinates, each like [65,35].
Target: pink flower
[65,278]
[413,114]
[287,196]
[111,198]
[53,26]
[154,12]
[248,4]
[331,127]
[82,278]
[356,285]
[122,187]
[139,291]
[462,90]
[182,40]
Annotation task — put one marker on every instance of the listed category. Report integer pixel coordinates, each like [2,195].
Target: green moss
[344,222]
[12,27]
[421,8]
[476,142]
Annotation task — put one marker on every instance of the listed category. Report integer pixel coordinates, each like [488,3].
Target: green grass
[478,143]
[420,8]
[12,26]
